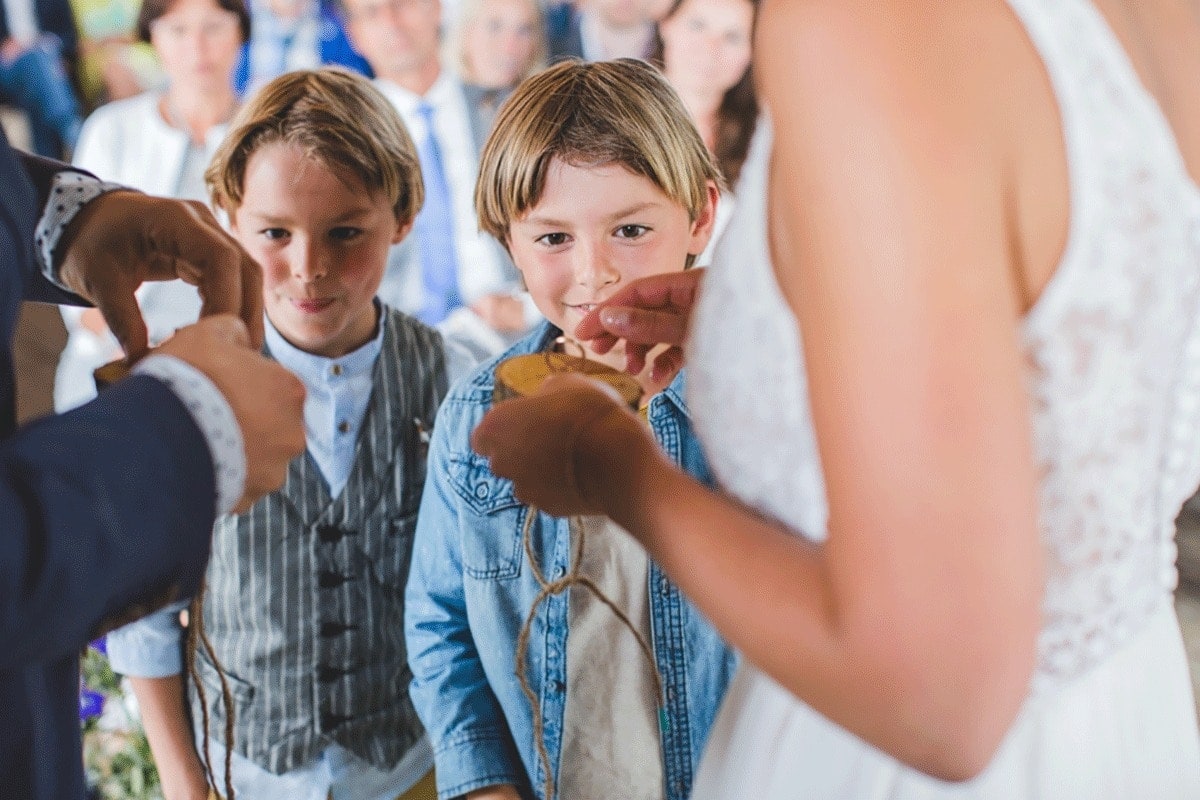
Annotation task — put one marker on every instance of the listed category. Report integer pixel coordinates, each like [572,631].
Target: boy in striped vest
[298,684]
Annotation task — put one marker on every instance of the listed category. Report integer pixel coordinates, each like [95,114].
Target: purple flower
[101,644]
[91,704]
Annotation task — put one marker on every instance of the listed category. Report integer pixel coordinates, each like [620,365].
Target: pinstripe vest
[305,594]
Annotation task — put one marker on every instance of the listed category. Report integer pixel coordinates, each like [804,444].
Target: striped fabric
[305,594]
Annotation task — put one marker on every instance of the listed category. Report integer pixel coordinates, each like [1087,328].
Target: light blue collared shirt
[335,404]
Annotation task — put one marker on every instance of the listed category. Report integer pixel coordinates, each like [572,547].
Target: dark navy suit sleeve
[106,511]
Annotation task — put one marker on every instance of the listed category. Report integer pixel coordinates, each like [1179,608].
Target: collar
[318,371]
[438,96]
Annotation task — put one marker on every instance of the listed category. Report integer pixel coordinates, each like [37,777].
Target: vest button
[330,534]
[328,674]
[329,629]
[329,720]
[332,580]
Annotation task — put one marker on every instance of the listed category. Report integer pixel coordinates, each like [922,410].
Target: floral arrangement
[116,755]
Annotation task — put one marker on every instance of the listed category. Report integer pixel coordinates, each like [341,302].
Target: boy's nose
[308,264]
[594,270]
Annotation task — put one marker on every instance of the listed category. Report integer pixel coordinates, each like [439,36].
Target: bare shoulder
[945,57]
[937,108]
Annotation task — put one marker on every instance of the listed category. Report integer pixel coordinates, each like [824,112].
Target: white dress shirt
[22,20]
[480,271]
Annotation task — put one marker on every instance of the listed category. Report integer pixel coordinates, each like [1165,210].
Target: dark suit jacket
[53,16]
[104,512]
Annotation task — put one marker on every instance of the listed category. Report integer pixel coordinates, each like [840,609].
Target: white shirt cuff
[214,417]
[69,192]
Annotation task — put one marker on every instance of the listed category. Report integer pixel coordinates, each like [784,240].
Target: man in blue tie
[446,273]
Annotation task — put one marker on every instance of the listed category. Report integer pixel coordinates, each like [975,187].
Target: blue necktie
[434,228]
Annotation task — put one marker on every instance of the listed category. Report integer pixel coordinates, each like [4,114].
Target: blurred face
[395,36]
[622,13]
[594,231]
[706,45]
[500,43]
[197,42]
[322,240]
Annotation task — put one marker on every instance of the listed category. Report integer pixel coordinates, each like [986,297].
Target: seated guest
[447,273]
[703,47]
[493,46]
[37,43]
[159,142]
[291,35]
[113,63]
[601,30]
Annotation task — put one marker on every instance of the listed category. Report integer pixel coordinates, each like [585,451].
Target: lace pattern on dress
[1112,355]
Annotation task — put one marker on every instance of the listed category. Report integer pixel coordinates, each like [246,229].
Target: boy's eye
[552,239]
[631,231]
[274,234]
[345,233]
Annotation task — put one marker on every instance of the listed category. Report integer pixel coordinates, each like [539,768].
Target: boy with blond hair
[299,684]
[594,176]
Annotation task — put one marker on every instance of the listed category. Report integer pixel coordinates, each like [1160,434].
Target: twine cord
[549,589]
[195,636]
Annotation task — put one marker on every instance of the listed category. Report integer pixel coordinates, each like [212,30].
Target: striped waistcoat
[305,595]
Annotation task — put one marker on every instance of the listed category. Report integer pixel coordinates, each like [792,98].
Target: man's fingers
[252,300]
[667,364]
[120,309]
[671,293]
[213,261]
[643,326]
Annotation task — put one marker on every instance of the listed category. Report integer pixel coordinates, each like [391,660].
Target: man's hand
[645,314]
[122,238]
[267,400]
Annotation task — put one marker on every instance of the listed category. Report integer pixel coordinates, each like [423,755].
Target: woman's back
[1104,246]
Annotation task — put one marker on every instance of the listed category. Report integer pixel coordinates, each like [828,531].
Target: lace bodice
[1112,354]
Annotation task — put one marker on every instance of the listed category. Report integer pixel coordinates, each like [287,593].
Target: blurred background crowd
[140,94]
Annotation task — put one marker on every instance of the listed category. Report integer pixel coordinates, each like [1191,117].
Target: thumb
[119,306]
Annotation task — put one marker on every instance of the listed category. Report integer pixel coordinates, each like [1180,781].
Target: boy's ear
[702,227]
[402,230]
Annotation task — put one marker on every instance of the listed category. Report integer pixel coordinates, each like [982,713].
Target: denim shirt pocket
[491,521]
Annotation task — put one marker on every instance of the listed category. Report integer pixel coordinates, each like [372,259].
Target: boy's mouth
[312,306]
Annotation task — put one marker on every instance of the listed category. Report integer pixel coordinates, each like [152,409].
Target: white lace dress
[1113,366]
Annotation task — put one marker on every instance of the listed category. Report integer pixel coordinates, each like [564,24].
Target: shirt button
[343,427]
[482,491]
[336,369]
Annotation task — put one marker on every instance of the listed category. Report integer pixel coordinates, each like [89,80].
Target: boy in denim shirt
[594,176]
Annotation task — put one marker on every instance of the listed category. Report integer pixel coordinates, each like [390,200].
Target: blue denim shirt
[469,592]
